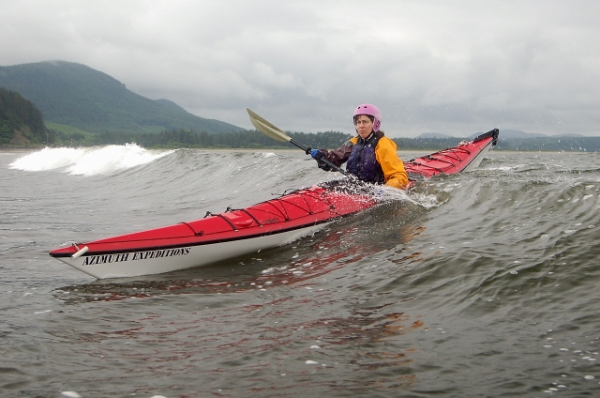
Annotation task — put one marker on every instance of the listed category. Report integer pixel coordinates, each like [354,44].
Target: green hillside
[75,95]
[21,123]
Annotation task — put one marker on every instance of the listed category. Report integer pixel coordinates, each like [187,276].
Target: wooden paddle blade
[265,127]
[274,132]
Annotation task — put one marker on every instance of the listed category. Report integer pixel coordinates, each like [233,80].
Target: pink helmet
[370,110]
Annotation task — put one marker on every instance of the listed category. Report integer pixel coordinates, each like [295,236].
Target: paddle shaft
[327,162]
[269,129]
[305,149]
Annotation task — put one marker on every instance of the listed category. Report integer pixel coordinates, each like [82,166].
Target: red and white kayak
[265,225]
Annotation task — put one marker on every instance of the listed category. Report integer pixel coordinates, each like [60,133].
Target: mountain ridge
[73,94]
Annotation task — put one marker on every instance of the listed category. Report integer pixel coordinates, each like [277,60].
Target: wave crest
[88,161]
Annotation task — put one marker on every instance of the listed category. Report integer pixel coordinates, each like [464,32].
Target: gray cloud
[452,67]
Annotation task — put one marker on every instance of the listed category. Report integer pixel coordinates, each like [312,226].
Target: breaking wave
[88,161]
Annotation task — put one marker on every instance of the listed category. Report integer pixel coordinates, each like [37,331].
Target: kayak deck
[464,157]
[288,212]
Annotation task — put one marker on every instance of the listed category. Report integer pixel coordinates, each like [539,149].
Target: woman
[371,156]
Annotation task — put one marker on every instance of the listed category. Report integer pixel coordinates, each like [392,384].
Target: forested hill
[76,95]
[21,123]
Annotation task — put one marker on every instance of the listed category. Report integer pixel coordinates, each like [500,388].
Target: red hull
[293,211]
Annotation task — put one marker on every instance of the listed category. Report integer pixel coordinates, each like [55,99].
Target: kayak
[462,158]
[272,223]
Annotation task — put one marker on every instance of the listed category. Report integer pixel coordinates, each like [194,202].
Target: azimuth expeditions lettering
[117,258]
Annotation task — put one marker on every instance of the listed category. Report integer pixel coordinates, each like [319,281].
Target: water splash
[88,161]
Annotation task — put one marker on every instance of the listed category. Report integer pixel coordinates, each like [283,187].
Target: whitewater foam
[387,193]
[88,161]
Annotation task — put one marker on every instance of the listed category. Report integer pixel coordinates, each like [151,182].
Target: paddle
[265,127]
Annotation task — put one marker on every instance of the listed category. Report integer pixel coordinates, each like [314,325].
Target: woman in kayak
[371,156]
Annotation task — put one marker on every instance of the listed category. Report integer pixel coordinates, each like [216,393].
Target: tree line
[566,144]
[177,138]
[22,124]
[252,139]
[20,121]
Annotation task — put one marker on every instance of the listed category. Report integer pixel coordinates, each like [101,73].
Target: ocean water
[483,284]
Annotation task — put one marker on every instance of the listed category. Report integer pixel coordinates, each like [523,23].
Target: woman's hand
[317,154]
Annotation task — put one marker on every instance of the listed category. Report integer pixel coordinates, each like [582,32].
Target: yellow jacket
[394,173]
[393,168]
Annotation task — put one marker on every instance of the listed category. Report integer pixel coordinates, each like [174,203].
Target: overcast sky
[448,66]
